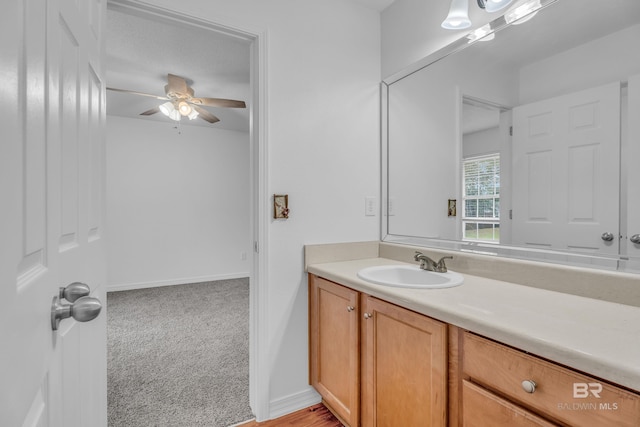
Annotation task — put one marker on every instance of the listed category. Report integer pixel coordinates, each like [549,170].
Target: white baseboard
[173,282]
[293,402]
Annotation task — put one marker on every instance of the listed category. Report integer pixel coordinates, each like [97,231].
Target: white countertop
[597,337]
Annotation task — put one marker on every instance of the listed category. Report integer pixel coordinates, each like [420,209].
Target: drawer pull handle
[529,386]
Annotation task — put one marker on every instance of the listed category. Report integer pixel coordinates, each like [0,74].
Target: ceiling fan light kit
[184,108]
[193,114]
[181,101]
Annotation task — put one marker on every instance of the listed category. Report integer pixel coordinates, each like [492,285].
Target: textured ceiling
[375,4]
[141,52]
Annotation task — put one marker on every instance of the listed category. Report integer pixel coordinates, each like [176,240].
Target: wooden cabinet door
[334,351]
[404,366]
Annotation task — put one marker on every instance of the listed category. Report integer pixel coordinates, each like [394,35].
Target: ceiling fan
[181,101]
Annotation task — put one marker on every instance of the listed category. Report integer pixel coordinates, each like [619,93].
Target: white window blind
[481,199]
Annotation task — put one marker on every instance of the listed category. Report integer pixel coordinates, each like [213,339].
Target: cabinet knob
[635,239]
[529,386]
[350,308]
[367,316]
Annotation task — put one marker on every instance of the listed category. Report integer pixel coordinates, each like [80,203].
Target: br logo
[584,390]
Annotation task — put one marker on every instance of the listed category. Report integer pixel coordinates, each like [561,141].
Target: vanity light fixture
[484,34]
[458,18]
[522,11]
[493,5]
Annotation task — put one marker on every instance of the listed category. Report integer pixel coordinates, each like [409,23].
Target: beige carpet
[179,355]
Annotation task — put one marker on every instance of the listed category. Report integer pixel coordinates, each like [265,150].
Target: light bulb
[167,108]
[458,17]
[184,108]
[496,5]
[522,12]
[175,115]
[193,114]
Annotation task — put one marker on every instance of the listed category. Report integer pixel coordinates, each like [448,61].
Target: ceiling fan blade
[150,112]
[205,115]
[133,92]
[219,102]
[176,85]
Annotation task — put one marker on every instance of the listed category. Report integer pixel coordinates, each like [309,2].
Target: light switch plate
[370,204]
[391,205]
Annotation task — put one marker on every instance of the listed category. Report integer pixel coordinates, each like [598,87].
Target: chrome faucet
[428,264]
[441,267]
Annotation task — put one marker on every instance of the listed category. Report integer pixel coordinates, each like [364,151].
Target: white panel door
[51,204]
[566,154]
[633,171]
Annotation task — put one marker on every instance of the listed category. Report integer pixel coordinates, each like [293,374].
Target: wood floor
[314,416]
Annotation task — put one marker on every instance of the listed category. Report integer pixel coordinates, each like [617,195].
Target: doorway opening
[252,252]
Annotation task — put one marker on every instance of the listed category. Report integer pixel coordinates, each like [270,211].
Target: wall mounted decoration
[452,207]
[281,206]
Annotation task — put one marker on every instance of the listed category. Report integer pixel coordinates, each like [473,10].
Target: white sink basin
[409,276]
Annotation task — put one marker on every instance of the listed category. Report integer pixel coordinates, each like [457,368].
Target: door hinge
[510,130]
[510,213]
[255,247]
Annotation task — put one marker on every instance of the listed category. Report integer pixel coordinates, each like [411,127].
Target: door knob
[635,239]
[74,291]
[607,237]
[83,309]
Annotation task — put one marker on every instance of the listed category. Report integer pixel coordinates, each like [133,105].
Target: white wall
[177,204]
[424,155]
[583,67]
[486,141]
[424,158]
[323,147]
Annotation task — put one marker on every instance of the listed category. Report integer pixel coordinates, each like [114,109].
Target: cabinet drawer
[484,409]
[560,393]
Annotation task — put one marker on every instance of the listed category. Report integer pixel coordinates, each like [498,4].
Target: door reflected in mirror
[529,132]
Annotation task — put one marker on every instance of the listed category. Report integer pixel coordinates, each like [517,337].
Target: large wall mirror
[524,143]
